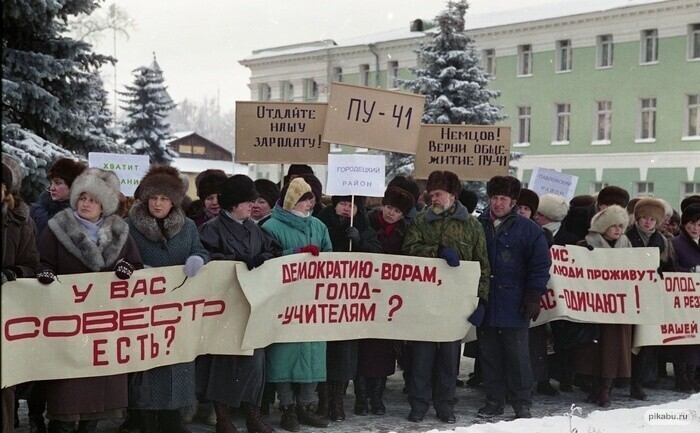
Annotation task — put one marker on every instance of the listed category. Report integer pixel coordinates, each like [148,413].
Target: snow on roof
[194,165]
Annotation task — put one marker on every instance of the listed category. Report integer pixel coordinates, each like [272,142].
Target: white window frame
[604,51]
[694,42]
[524,125]
[646,121]
[264,92]
[364,74]
[392,74]
[649,47]
[525,60]
[564,61]
[337,74]
[644,189]
[287,91]
[489,60]
[562,123]
[604,118]
[692,117]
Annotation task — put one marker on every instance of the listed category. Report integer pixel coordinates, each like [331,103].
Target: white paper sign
[130,169]
[546,181]
[356,175]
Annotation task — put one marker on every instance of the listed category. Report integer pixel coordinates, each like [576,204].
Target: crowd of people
[82,223]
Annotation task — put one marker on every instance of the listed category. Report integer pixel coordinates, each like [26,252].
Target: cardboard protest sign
[346,296]
[471,152]
[280,132]
[545,181]
[680,302]
[368,117]
[130,169]
[94,324]
[353,174]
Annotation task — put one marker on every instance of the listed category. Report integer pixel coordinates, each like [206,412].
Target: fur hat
[691,213]
[161,179]
[360,200]
[650,207]
[407,185]
[209,182]
[294,191]
[529,198]
[13,177]
[398,198]
[237,189]
[295,170]
[689,200]
[7,178]
[613,195]
[469,199]
[584,200]
[503,185]
[66,169]
[185,182]
[609,216]
[267,190]
[102,185]
[553,206]
[444,180]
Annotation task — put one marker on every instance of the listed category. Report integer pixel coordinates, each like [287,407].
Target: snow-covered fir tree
[148,105]
[48,88]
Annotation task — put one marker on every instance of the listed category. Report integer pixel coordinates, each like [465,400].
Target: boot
[253,420]
[680,372]
[171,421]
[636,391]
[223,418]
[604,395]
[323,399]
[147,420]
[336,392]
[307,416]
[593,395]
[289,420]
[376,390]
[361,407]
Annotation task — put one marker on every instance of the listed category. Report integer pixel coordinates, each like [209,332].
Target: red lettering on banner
[100,321]
[352,290]
[157,308]
[547,301]
[57,319]
[120,289]
[121,342]
[326,269]
[214,311]
[194,306]
[328,313]
[679,284]
[691,301]
[9,336]
[96,352]
[404,272]
[133,314]
[596,302]
[559,254]
[80,296]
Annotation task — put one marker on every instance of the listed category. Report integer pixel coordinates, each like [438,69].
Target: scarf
[553,227]
[596,240]
[644,234]
[387,228]
[90,228]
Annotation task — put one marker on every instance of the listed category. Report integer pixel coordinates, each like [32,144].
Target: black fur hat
[66,169]
[161,179]
[237,189]
[529,198]
[691,213]
[444,180]
[503,185]
[689,200]
[209,182]
[407,185]
[398,198]
[360,200]
[611,195]
[268,190]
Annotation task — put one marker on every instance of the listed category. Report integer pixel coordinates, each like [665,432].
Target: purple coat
[687,252]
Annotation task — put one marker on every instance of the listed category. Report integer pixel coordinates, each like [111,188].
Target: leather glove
[8,275]
[530,307]
[123,270]
[450,256]
[659,270]
[193,264]
[46,276]
[259,259]
[477,317]
[353,234]
[590,247]
[313,249]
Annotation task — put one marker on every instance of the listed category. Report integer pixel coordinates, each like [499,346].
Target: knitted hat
[161,179]
[444,180]
[689,200]
[209,182]
[66,169]
[553,206]
[360,200]
[584,200]
[268,190]
[398,198]
[503,185]
[691,213]
[469,199]
[613,195]
[235,190]
[407,185]
[294,191]
[609,216]
[314,183]
[102,185]
[529,198]
[650,207]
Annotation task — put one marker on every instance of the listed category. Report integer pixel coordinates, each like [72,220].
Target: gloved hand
[311,248]
[659,270]
[247,260]
[530,307]
[46,276]
[8,275]
[259,259]
[123,270]
[353,234]
[193,264]
[590,247]
[450,256]
[477,317]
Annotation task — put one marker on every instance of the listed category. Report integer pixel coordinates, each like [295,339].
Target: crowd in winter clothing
[82,223]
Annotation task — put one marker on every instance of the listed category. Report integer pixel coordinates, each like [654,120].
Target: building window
[564,55]
[525,59]
[489,60]
[337,75]
[605,51]
[645,189]
[597,186]
[364,75]
[524,126]
[184,148]
[310,89]
[603,122]
[393,74]
[647,119]
[649,46]
[335,148]
[690,188]
[287,89]
[264,92]
[694,41]
[198,150]
[693,113]
[563,116]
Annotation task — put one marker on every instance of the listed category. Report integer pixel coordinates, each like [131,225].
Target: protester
[671,227]
[208,185]
[469,199]
[165,237]
[295,170]
[412,188]
[85,238]
[316,188]
[448,231]
[268,194]
[579,218]
[56,198]
[303,363]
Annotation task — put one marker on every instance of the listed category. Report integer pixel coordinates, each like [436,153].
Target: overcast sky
[198,43]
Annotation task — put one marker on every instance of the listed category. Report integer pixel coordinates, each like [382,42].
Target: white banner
[129,168]
[356,175]
[546,181]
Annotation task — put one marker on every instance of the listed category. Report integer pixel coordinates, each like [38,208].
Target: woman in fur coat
[87,237]
[165,237]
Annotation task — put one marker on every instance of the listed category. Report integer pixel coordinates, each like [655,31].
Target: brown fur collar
[147,225]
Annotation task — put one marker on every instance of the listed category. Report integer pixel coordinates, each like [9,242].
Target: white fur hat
[553,206]
[609,216]
[103,185]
